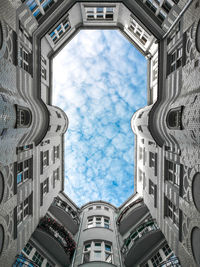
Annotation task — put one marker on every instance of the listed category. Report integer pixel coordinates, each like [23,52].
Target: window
[24,148]
[24,209]
[99,13]
[58,128]
[60,29]
[25,59]
[97,251]
[153,191]
[106,208]
[167,250]
[24,116]
[46,158]
[28,248]
[38,259]
[139,33]
[43,72]
[24,170]
[56,150]
[98,221]
[172,172]
[55,177]
[90,208]
[152,159]
[175,60]
[45,186]
[151,187]
[172,211]
[98,207]
[174,118]
[58,114]
[37,6]
[156,259]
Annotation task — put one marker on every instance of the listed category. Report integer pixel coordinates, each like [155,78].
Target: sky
[99,80]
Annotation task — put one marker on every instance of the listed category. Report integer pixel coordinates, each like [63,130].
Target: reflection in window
[60,29]
[24,209]
[98,221]
[99,13]
[97,251]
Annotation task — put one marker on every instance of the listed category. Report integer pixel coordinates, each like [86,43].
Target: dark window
[175,60]
[24,170]
[58,128]
[174,118]
[24,116]
[171,211]
[172,172]
[24,209]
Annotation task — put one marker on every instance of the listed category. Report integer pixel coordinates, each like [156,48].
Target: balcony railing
[61,204]
[172,262]
[57,231]
[142,230]
[22,261]
[139,200]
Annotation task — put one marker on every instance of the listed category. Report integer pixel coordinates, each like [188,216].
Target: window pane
[97,255]
[107,247]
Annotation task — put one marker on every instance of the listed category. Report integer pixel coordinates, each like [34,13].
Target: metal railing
[172,262]
[59,203]
[59,233]
[22,261]
[121,215]
[141,230]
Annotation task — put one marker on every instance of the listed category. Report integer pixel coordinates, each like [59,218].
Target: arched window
[174,118]
[24,116]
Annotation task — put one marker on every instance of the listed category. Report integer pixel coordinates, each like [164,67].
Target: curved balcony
[66,215]
[23,261]
[96,264]
[56,240]
[131,215]
[141,242]
[173,262]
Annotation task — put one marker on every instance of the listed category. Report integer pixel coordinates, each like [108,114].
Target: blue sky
[99,81]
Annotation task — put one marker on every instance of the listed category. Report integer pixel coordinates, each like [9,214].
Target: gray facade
[165,206]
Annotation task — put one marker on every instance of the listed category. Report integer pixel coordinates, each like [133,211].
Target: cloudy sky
[99,81]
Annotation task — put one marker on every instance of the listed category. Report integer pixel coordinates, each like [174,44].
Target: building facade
[167,177]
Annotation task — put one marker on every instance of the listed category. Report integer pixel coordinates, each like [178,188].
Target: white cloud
[98,85]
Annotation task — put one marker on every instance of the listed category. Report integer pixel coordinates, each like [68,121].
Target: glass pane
[107,247]
[97,255]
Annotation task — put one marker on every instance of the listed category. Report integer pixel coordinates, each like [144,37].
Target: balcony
[66,215]
[22,261]
[131,215]
[56,240]
[141,242]
[172,262]
[97,264]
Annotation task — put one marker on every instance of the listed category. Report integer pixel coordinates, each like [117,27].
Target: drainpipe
[116,232]
[177,19]
[79,232]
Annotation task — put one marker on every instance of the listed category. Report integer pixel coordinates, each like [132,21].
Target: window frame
[90,249]
[98,221]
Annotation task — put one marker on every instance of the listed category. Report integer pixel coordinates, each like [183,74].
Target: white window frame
[23,210]
[104,249]
[98,221]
